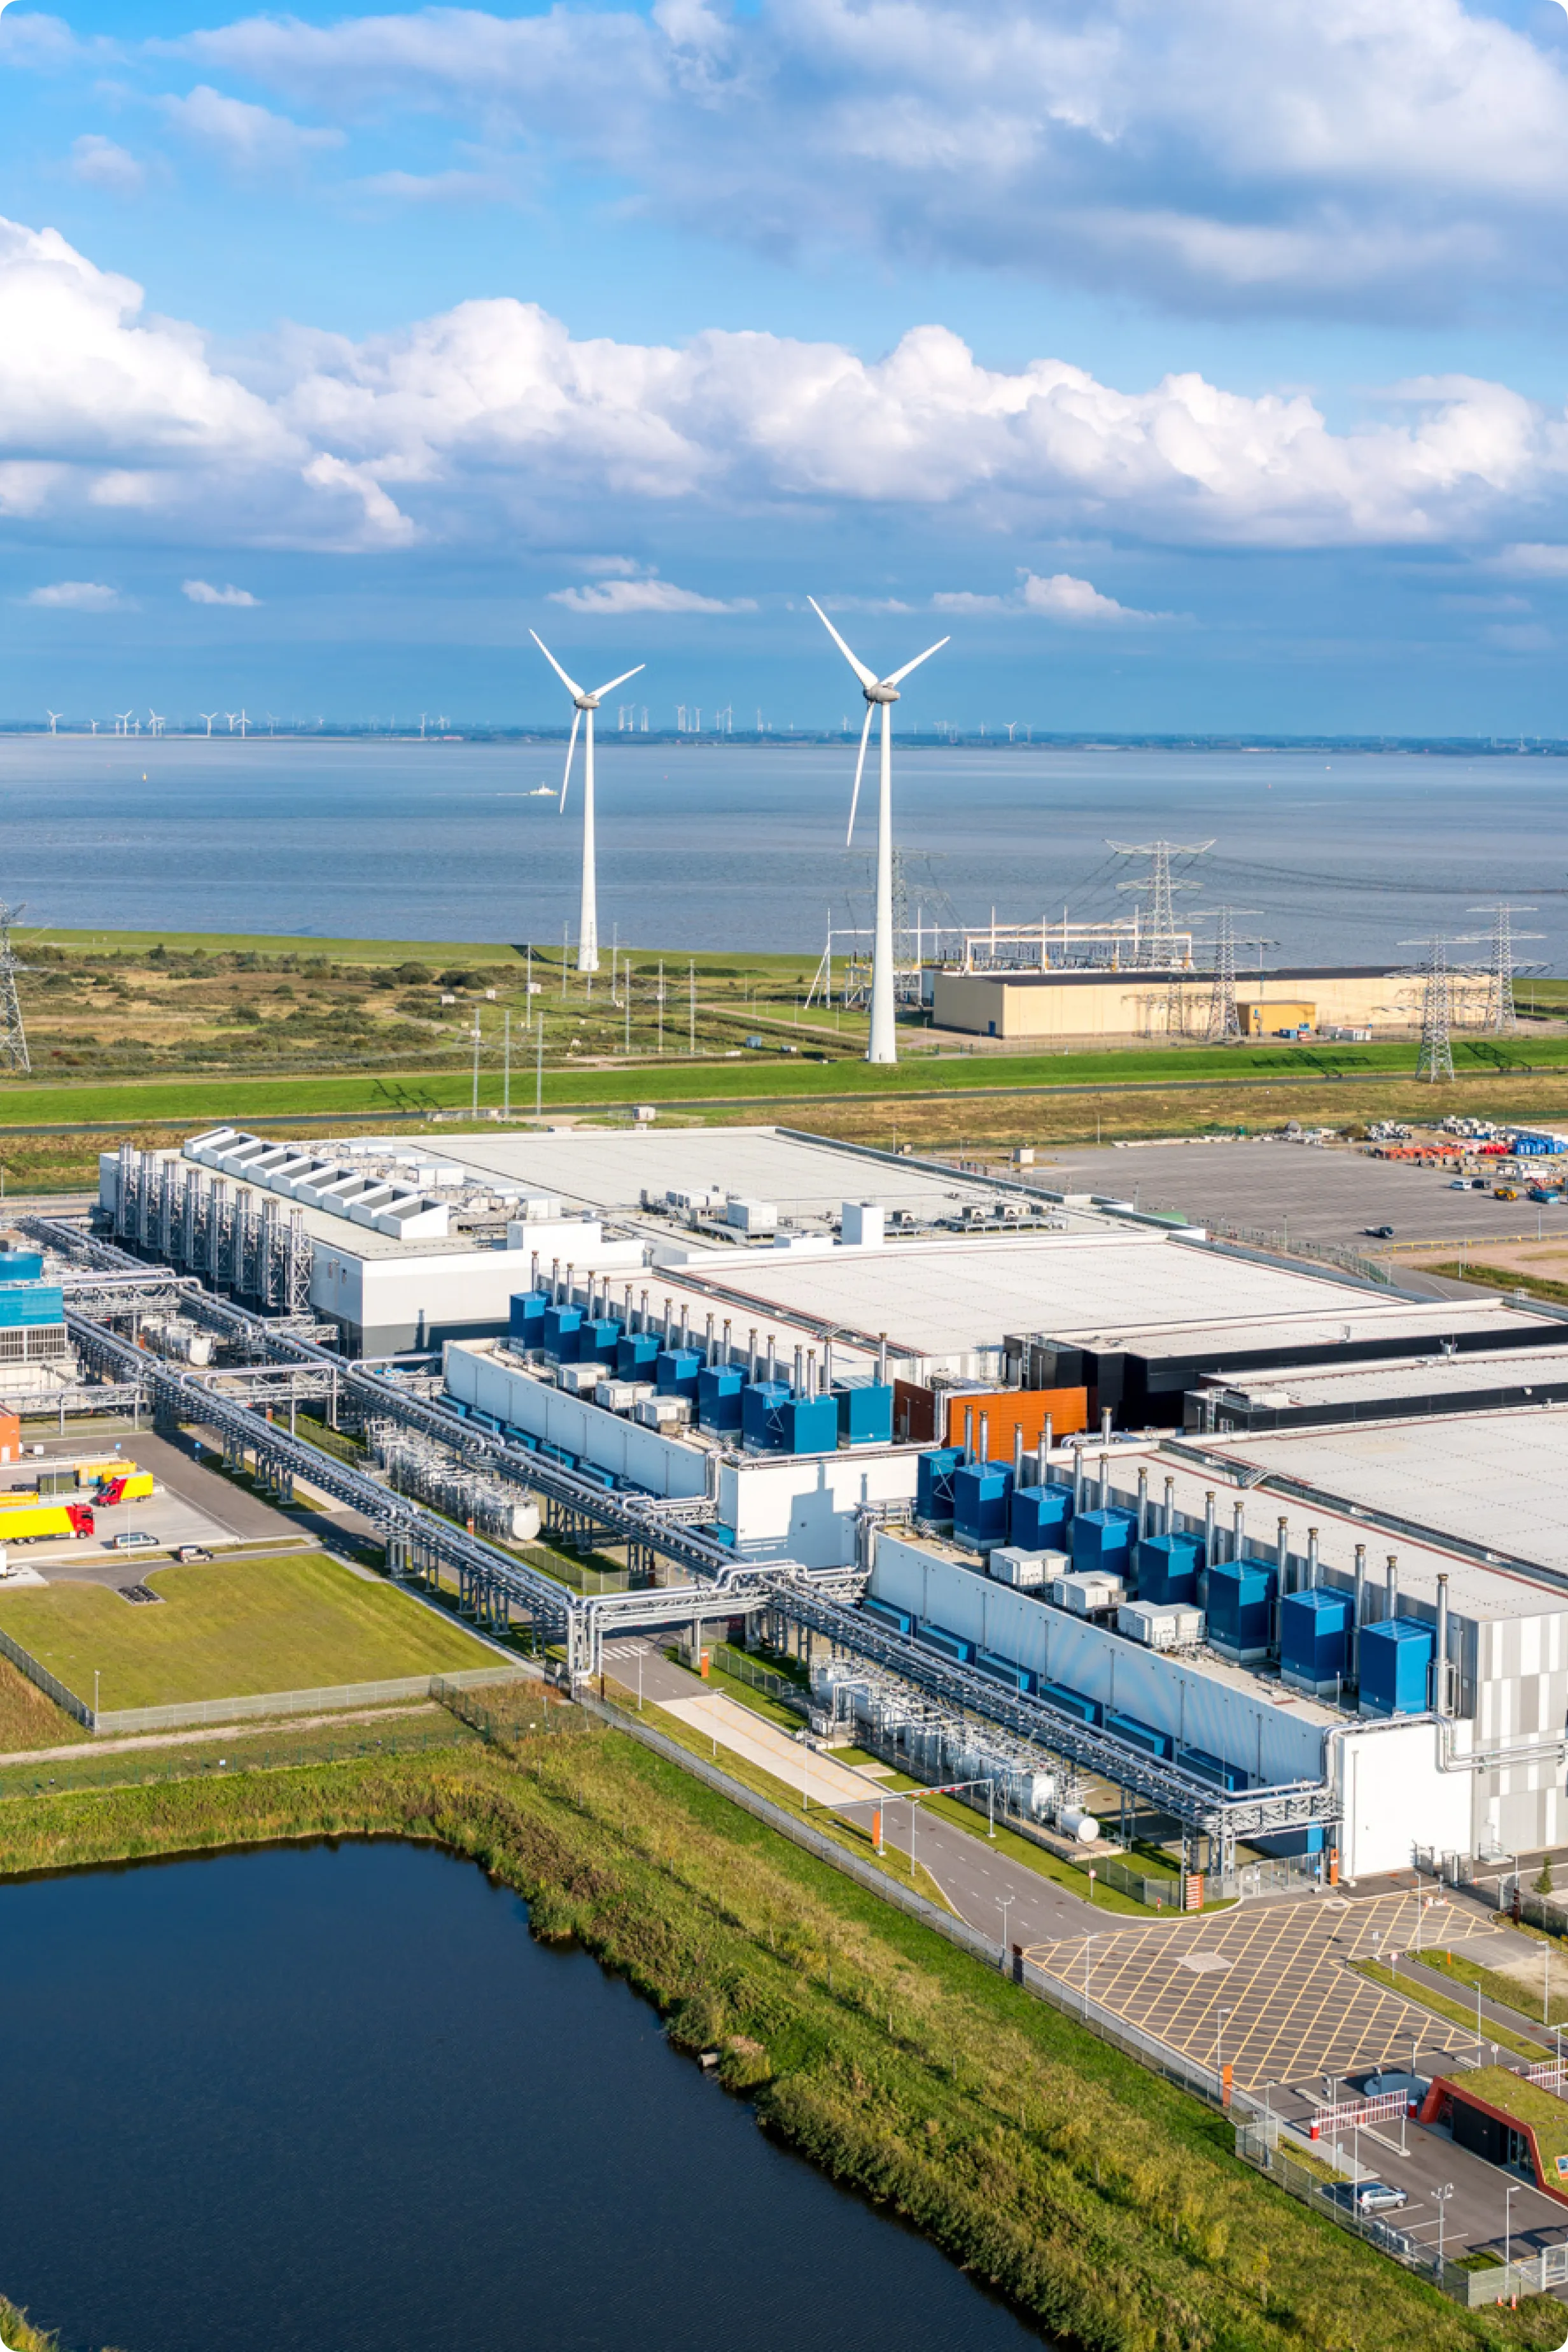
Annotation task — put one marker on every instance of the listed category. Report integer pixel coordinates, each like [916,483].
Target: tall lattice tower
[1500,1018]
[14,1055]
[1160,944]
[1436,1062]
[1224,1020]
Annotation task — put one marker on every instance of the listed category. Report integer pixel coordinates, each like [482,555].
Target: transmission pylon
[1435,1061]
[1160,944]
[1224,1020]
[14,1055]
[1500,1017]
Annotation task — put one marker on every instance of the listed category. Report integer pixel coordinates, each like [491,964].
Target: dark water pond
[340,2098]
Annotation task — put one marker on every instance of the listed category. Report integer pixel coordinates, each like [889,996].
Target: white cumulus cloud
[1058,597]
[1318,154]
[98,162]
[491,422]
[248,137]
[645,596]
[202,591]
[75,596]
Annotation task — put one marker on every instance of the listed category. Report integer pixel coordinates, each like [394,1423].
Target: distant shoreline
[1467,747]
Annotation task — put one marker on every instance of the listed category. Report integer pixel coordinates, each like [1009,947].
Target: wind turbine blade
[570,684]
[903,673]
[859,769]
[866,677]
[602,690]
[572,746]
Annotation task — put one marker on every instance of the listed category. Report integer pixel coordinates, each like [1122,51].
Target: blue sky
[1195,366]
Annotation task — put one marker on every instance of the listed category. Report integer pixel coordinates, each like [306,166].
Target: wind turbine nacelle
[880,693]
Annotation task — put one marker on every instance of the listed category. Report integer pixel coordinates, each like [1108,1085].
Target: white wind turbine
[880,694]
[209,716]
[588,915]
[51,716]
[156,720]
[122,722]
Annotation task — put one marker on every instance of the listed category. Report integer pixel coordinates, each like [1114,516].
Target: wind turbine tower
[587,703]
[880,694]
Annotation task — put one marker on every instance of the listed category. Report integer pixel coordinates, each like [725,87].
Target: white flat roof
[1499,1480]
[604,1169]
[1424,1375]
[941,1297]
[1314,1322]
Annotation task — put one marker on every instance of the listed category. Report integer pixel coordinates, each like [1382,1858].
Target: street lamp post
[1509,2195]
[1004,1906]
[1088,1946]
[1440,2199]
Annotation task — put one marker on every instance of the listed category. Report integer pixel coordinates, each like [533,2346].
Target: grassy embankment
[159,1033]
[1105,2203]
[1512,1992]
[1502,1277]
[232,1628]
[1454,2012]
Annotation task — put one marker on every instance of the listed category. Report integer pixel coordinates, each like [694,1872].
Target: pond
[338,2097]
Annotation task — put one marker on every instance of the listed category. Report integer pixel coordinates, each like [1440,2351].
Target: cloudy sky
[1195,364]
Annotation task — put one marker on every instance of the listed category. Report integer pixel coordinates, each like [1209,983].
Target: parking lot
[191,1505]
[1313,1193]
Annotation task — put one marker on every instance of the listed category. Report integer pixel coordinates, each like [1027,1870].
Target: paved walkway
[825,1781]
[1265,1988]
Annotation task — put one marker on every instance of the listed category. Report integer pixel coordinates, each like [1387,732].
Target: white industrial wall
[476,1377]
[385,1302]
[1397,1799]
[802,1506]
[1273,1744]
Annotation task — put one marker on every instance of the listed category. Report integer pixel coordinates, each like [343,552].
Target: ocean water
[1343,859]
[309,2100]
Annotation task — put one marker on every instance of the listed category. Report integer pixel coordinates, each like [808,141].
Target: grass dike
[1107,2205]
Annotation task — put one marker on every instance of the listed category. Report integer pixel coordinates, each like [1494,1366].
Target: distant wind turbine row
[880,694]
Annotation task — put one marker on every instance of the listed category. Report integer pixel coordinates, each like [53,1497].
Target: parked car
[135,1539]
[1477,1184]
[1459,1184]
[1379,1233]
[1368,2196]
[192,1551]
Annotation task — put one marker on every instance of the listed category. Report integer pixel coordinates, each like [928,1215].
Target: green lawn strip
[232,1629]
[856,1755]
[1454,2011]
[1502,1277]
[1543,2110]
[29,1718]
[851,1830]
[1106,2204]
[244,1746]
[1513,1992]
[414,1093]
[756,1702]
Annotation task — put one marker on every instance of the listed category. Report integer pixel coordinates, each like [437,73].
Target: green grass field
[231,1630]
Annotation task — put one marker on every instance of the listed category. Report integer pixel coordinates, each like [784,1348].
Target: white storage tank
[1082,1828]
[524,1523]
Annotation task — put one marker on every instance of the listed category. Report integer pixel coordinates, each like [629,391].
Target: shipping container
[1395,1666]
[134,1486]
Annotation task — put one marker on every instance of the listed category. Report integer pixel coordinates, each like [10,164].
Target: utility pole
[692,1006]
[506,1065]
[539,1072]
